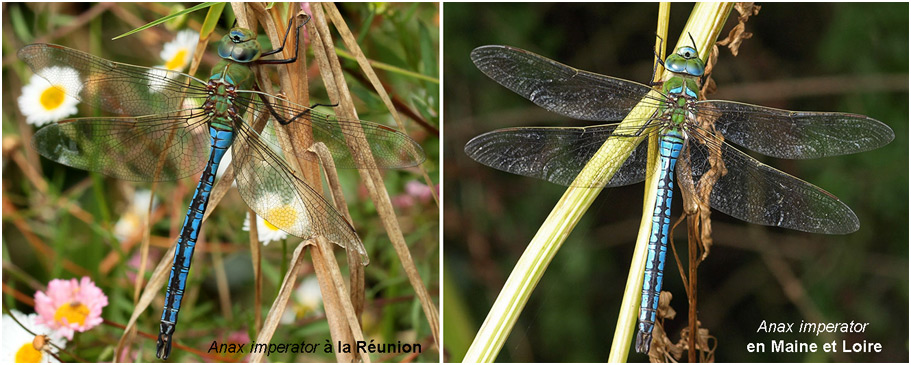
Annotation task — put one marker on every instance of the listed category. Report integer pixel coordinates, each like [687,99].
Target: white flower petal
[42,102]
[282,214]
[178,53]
[15,337]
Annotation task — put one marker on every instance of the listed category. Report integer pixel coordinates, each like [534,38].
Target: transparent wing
[795,135]
[268,185]
[557,155]
[758,193]
[389,147]
[115,87]
[560,88]
[159,147]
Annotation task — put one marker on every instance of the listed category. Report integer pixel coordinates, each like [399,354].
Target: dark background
[490,216]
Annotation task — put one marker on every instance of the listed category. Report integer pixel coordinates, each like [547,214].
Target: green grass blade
[390,68]
[212,17]
[167,18]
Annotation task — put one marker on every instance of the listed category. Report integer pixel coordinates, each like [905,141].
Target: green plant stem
[629,306]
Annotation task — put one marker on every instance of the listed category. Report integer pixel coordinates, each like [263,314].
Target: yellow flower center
[303,310]
[28,353]
[283,216]
[75,312]
[176,62]
[52,98]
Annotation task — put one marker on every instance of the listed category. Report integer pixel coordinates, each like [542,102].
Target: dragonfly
[688,130]
[167,125]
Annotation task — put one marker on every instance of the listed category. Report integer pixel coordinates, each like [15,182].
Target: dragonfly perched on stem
[696,132]
[169,125]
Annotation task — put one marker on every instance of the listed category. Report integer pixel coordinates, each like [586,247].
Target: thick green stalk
[629,306]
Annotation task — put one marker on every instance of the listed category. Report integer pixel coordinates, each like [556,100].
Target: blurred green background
[858,51]
[73,216]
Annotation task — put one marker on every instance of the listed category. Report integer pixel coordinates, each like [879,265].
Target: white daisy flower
[20,346]
[307,301]
[133,219]
[178,53]
[265,231]
[280,214]
[308,296]
[287,215]
[42,102]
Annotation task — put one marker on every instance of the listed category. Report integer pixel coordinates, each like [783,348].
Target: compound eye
[695,67]
[241,54]
[674,64]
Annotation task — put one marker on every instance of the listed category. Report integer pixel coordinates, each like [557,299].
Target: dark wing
[795,135]
[758,193]
[557,155]
[557,87]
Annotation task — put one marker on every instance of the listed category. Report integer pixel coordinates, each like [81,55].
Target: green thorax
[683,87]
[238,48]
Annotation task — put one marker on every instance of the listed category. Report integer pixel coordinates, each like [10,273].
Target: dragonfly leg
[282,120]
[691,39]
[321,104]
[297,33]
[652,81]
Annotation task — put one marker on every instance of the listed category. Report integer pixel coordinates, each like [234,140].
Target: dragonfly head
[240,45]
[685,61]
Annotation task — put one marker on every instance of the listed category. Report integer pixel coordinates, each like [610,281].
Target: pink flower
[136,259]
[402,201]
[421,192]
[238,337]
[70,306]
[128,355]
[415,192]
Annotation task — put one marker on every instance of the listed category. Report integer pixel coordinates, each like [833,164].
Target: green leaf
[208,25]
[167,18]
